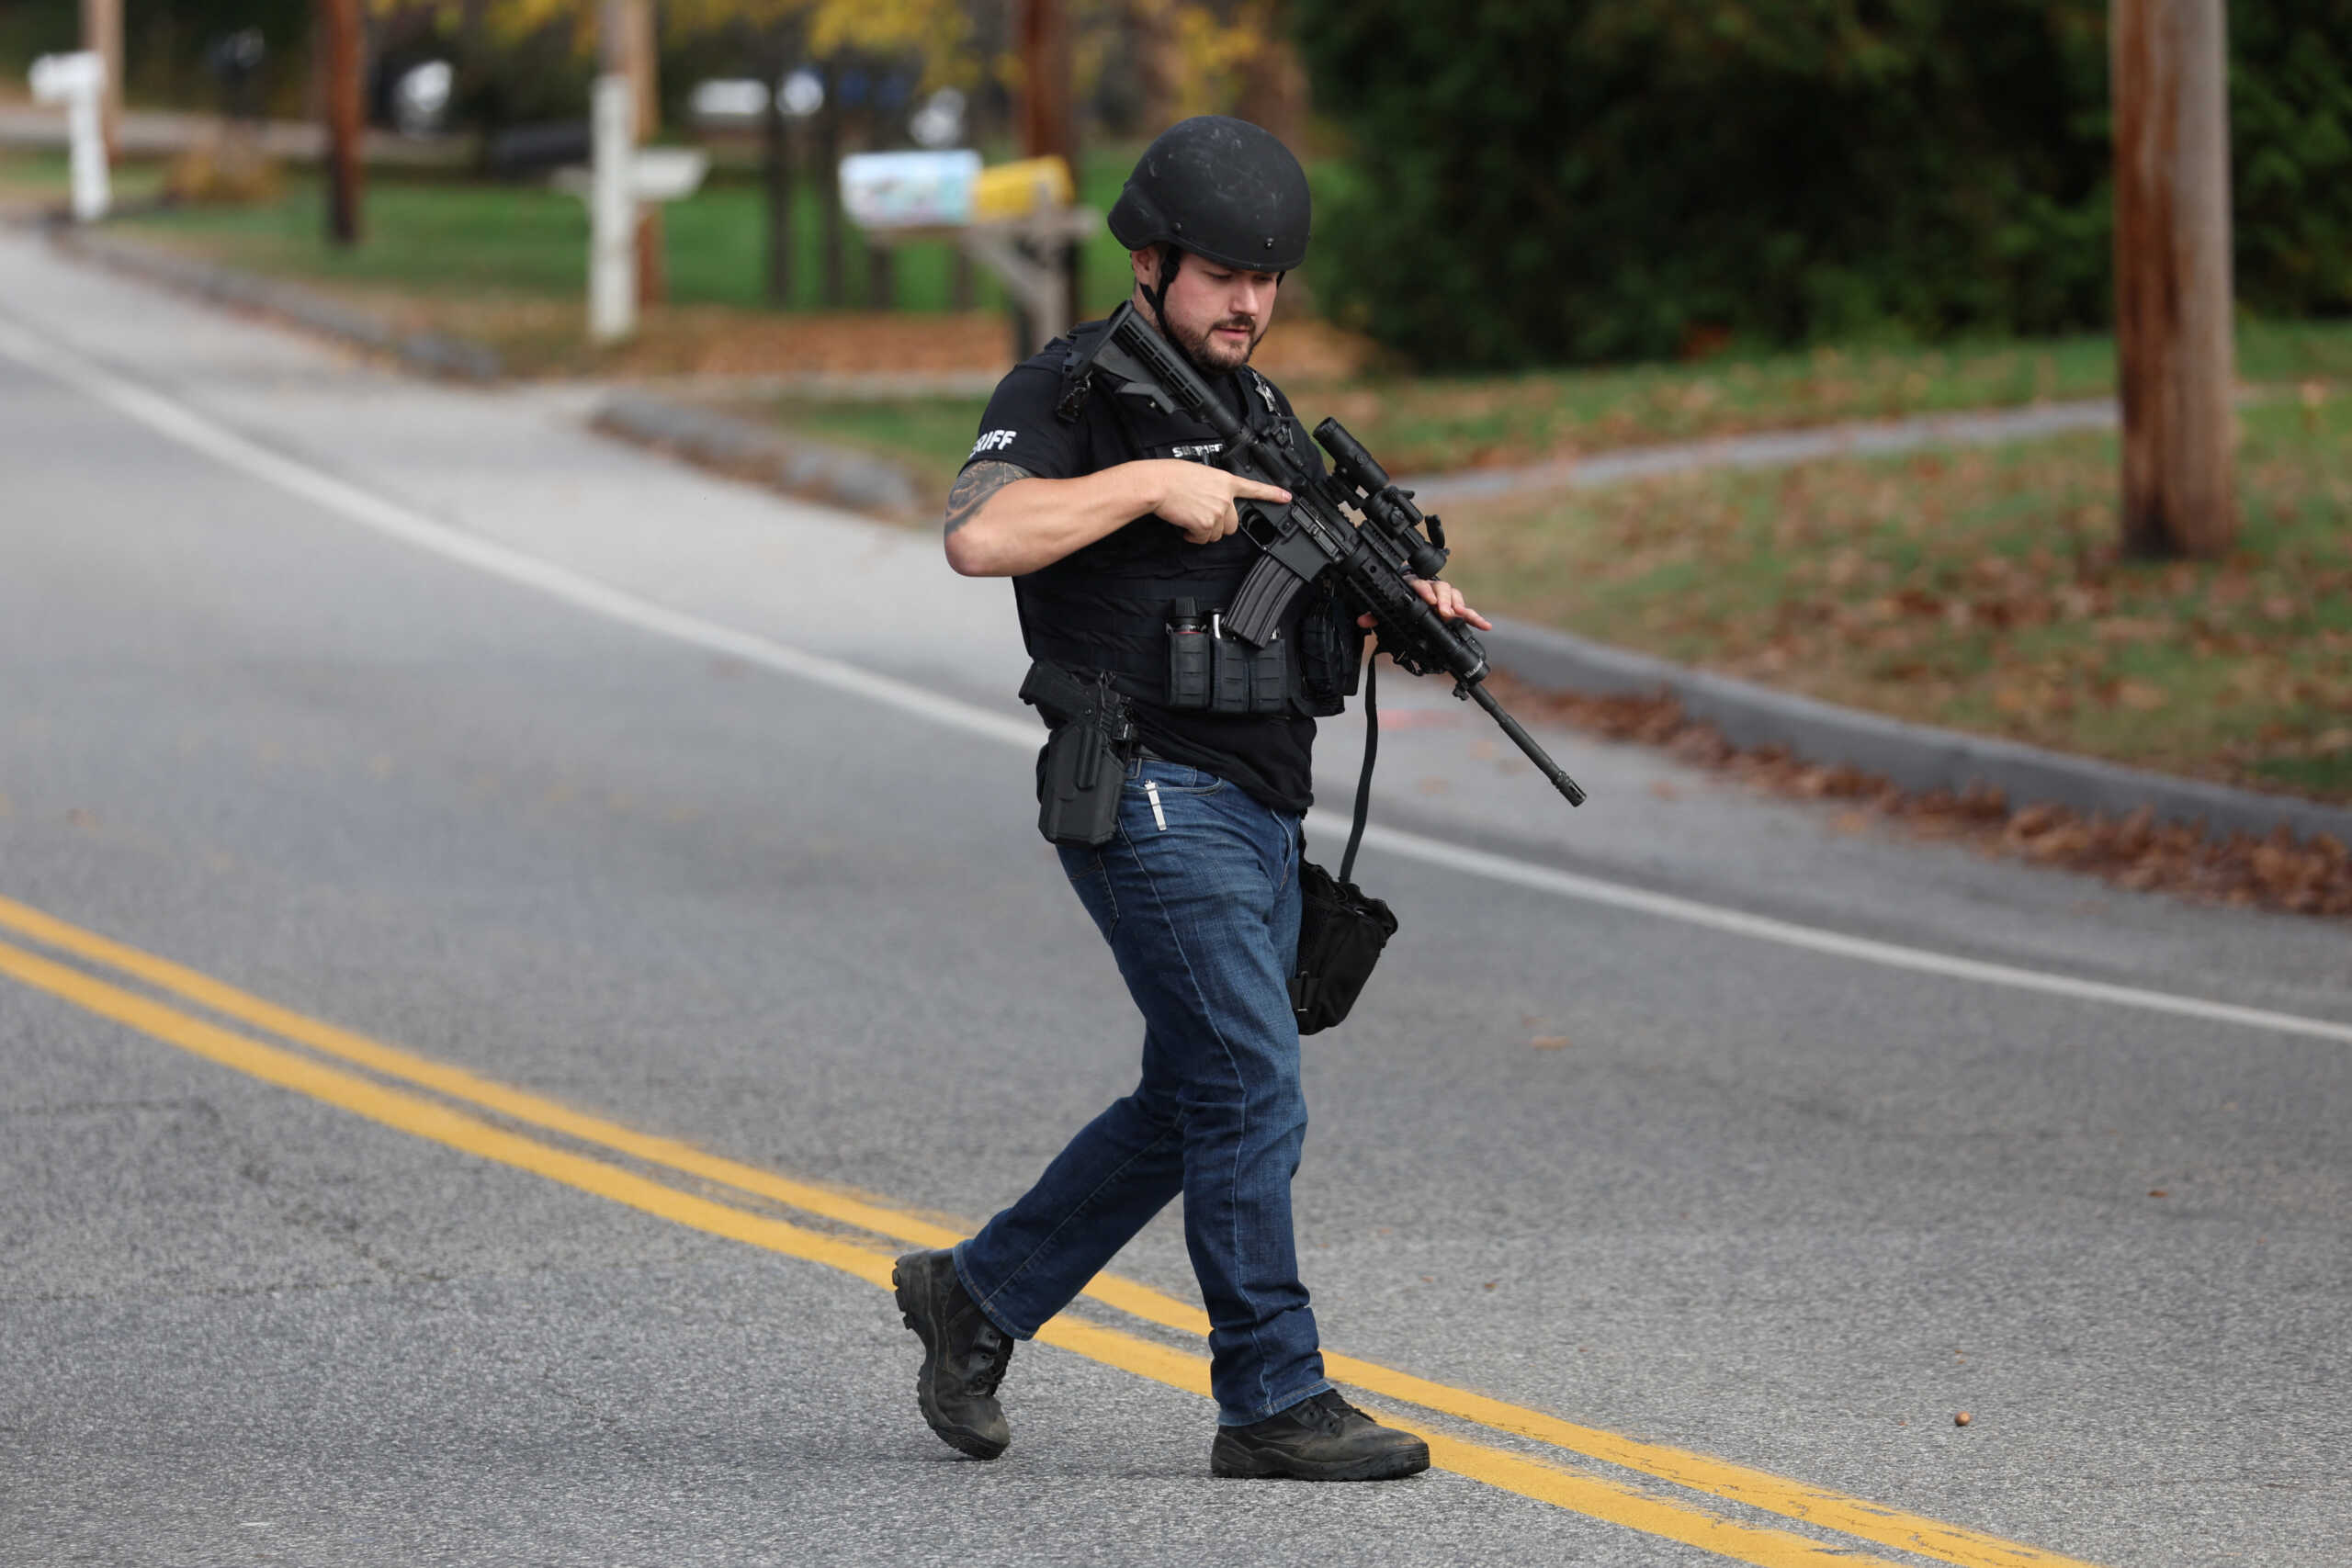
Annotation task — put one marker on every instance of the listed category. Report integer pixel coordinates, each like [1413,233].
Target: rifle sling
[1364,780]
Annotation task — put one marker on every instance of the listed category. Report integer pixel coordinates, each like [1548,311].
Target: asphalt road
[423,715]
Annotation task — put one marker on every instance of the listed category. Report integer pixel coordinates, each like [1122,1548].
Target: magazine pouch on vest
[1211,673]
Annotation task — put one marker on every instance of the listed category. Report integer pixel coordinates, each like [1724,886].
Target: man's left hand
[1446,600]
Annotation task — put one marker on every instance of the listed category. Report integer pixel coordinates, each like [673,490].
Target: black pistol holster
[1084,763]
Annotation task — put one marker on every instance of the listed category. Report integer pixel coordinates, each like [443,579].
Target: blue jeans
[1198,897]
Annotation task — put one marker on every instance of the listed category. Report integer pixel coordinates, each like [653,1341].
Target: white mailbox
[79,82]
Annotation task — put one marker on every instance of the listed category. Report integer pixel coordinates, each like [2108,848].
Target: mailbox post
[620,178]
[612,210]
[79,82]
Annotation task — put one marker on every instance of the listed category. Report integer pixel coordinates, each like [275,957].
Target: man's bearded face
[1217,314]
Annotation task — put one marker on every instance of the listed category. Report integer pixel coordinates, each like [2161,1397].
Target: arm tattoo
[973,487]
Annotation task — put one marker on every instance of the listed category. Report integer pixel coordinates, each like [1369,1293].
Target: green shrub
[2290,114]
[1596,179]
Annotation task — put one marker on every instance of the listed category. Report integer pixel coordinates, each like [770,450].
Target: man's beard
[1204,350]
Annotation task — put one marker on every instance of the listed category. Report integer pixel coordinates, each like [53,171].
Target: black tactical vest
[1105,607]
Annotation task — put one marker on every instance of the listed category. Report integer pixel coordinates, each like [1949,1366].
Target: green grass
[31,176]
[1980,589]
[452,239]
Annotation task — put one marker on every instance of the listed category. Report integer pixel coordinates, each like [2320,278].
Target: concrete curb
[1916,756]
[435,354]
[855,479]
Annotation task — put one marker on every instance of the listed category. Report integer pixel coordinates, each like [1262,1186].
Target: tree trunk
[829,185]
[1161,67]
[2175,355]
[102,36]
[1048,119]
[644,68]
[777,171]
[625,46]
[339,55]
[1273,82]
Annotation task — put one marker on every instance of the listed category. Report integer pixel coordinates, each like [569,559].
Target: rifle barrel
[1526,742]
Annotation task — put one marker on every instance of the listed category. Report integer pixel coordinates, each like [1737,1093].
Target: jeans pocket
[1174,778]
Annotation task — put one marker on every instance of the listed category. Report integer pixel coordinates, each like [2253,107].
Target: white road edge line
[193,429]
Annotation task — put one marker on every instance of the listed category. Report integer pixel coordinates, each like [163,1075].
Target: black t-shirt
[1268,756]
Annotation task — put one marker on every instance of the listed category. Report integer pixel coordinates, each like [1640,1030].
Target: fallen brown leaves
[2305,877]
[543,336]
[1981,591]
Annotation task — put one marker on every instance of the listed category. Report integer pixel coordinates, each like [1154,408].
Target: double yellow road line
[447,1115]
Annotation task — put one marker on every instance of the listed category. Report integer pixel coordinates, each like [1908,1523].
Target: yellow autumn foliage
[1210,42]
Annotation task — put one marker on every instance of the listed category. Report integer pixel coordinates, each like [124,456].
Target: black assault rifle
[1376,559]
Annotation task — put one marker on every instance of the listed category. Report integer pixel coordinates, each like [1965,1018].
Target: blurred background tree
[1567,180]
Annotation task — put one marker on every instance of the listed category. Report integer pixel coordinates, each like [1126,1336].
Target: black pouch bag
[1340,933]
[1341,930]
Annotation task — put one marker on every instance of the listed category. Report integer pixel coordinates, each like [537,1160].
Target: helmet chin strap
[1171,261]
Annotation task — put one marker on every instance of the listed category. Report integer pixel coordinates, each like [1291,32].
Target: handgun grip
[1053,691]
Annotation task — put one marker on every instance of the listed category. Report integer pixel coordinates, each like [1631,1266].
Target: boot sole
[1235,1463]
[912,1312]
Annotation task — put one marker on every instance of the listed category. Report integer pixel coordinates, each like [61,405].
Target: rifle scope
[1383,504]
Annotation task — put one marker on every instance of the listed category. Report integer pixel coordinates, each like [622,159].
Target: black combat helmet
[1219,188]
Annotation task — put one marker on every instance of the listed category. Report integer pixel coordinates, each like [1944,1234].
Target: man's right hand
[1199,499]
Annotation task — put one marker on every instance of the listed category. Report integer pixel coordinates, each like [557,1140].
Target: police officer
[1120,537]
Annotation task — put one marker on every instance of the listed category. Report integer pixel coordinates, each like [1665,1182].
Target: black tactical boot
[1321,1439]
[963,1355]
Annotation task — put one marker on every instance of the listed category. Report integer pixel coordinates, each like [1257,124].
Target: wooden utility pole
[2175,352]
[102,36]
[1048,125]
[339,39]
[626,47]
